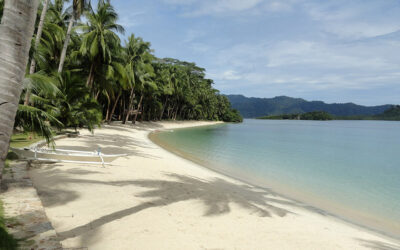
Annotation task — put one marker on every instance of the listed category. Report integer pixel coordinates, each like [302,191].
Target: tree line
[80,74]
[314,115]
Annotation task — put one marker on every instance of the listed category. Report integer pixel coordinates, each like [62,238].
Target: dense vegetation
[391,114]
[256,107]
[315,115]
[82,74]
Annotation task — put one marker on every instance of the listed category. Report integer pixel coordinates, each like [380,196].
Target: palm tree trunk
[89,80]
[180,113]
[122,109]
[176,113]
[97,95]
[142,113]
[113,108]
[163,108]
[108,106]
[66,42]
[37,41]
[138,109]
[130,105]
[16,30]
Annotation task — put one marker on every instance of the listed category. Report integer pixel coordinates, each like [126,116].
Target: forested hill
[251,107]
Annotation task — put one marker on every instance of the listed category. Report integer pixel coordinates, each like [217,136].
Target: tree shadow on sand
[112,144]
[216,195]
[378,245]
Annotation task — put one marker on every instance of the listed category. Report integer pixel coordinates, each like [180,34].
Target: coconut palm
[99,40]
[139,69]
[37,41]
[78,7]
[16,30]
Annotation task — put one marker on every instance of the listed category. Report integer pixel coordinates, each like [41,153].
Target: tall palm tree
[78,6]
[37,41]
[99,39]
[16,30]
[138,65]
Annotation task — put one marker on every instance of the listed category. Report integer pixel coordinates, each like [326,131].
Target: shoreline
[301,198]
[195,207]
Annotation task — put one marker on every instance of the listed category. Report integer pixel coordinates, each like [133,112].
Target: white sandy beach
[153,199]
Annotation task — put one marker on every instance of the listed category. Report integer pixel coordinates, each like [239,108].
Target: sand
[153,199]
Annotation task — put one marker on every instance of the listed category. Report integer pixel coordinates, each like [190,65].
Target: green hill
[251,107]
[314,115]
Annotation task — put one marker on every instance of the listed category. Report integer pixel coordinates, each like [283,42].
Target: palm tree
[37,41]
[139,68]
[99,40]
[78,6]
[16,30]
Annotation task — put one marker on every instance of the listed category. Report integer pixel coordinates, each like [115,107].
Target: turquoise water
[349,168]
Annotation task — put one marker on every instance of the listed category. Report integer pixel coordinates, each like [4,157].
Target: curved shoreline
[312,206]
[154,199]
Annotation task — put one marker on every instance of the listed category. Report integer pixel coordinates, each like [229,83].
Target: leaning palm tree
[78,6]
[16,30]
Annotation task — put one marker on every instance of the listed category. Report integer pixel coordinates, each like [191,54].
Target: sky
[330,50]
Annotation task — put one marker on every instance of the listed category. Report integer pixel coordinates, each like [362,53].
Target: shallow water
[349,168]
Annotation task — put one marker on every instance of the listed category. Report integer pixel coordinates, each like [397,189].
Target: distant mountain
[251,107]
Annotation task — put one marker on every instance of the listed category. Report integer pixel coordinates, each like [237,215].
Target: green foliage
[36,120]
[315,115]
[391,114]
[256,107]
[102,78]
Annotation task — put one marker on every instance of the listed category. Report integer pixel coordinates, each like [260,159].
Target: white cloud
[230,75]
[192,35]
[353,20]
[307,66]
[130,19]
[180,2]
[290,47]
[227,7]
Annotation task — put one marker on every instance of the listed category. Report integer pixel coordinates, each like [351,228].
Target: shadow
[378,245]
[111,144]
[142,126]
[47,189]
[217,195]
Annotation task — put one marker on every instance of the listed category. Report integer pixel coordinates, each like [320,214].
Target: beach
[154,199]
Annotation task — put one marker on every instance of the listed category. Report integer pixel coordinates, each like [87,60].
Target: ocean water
[348,168]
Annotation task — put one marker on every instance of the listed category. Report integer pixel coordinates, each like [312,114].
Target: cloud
[307,66]
[130,19]
[306,48]
[180,2]
[195,8]
[193,34]
[355,20]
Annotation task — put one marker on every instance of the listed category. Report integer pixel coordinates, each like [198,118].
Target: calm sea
[348,168]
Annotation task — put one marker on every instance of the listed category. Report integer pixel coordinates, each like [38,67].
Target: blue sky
[330,50]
